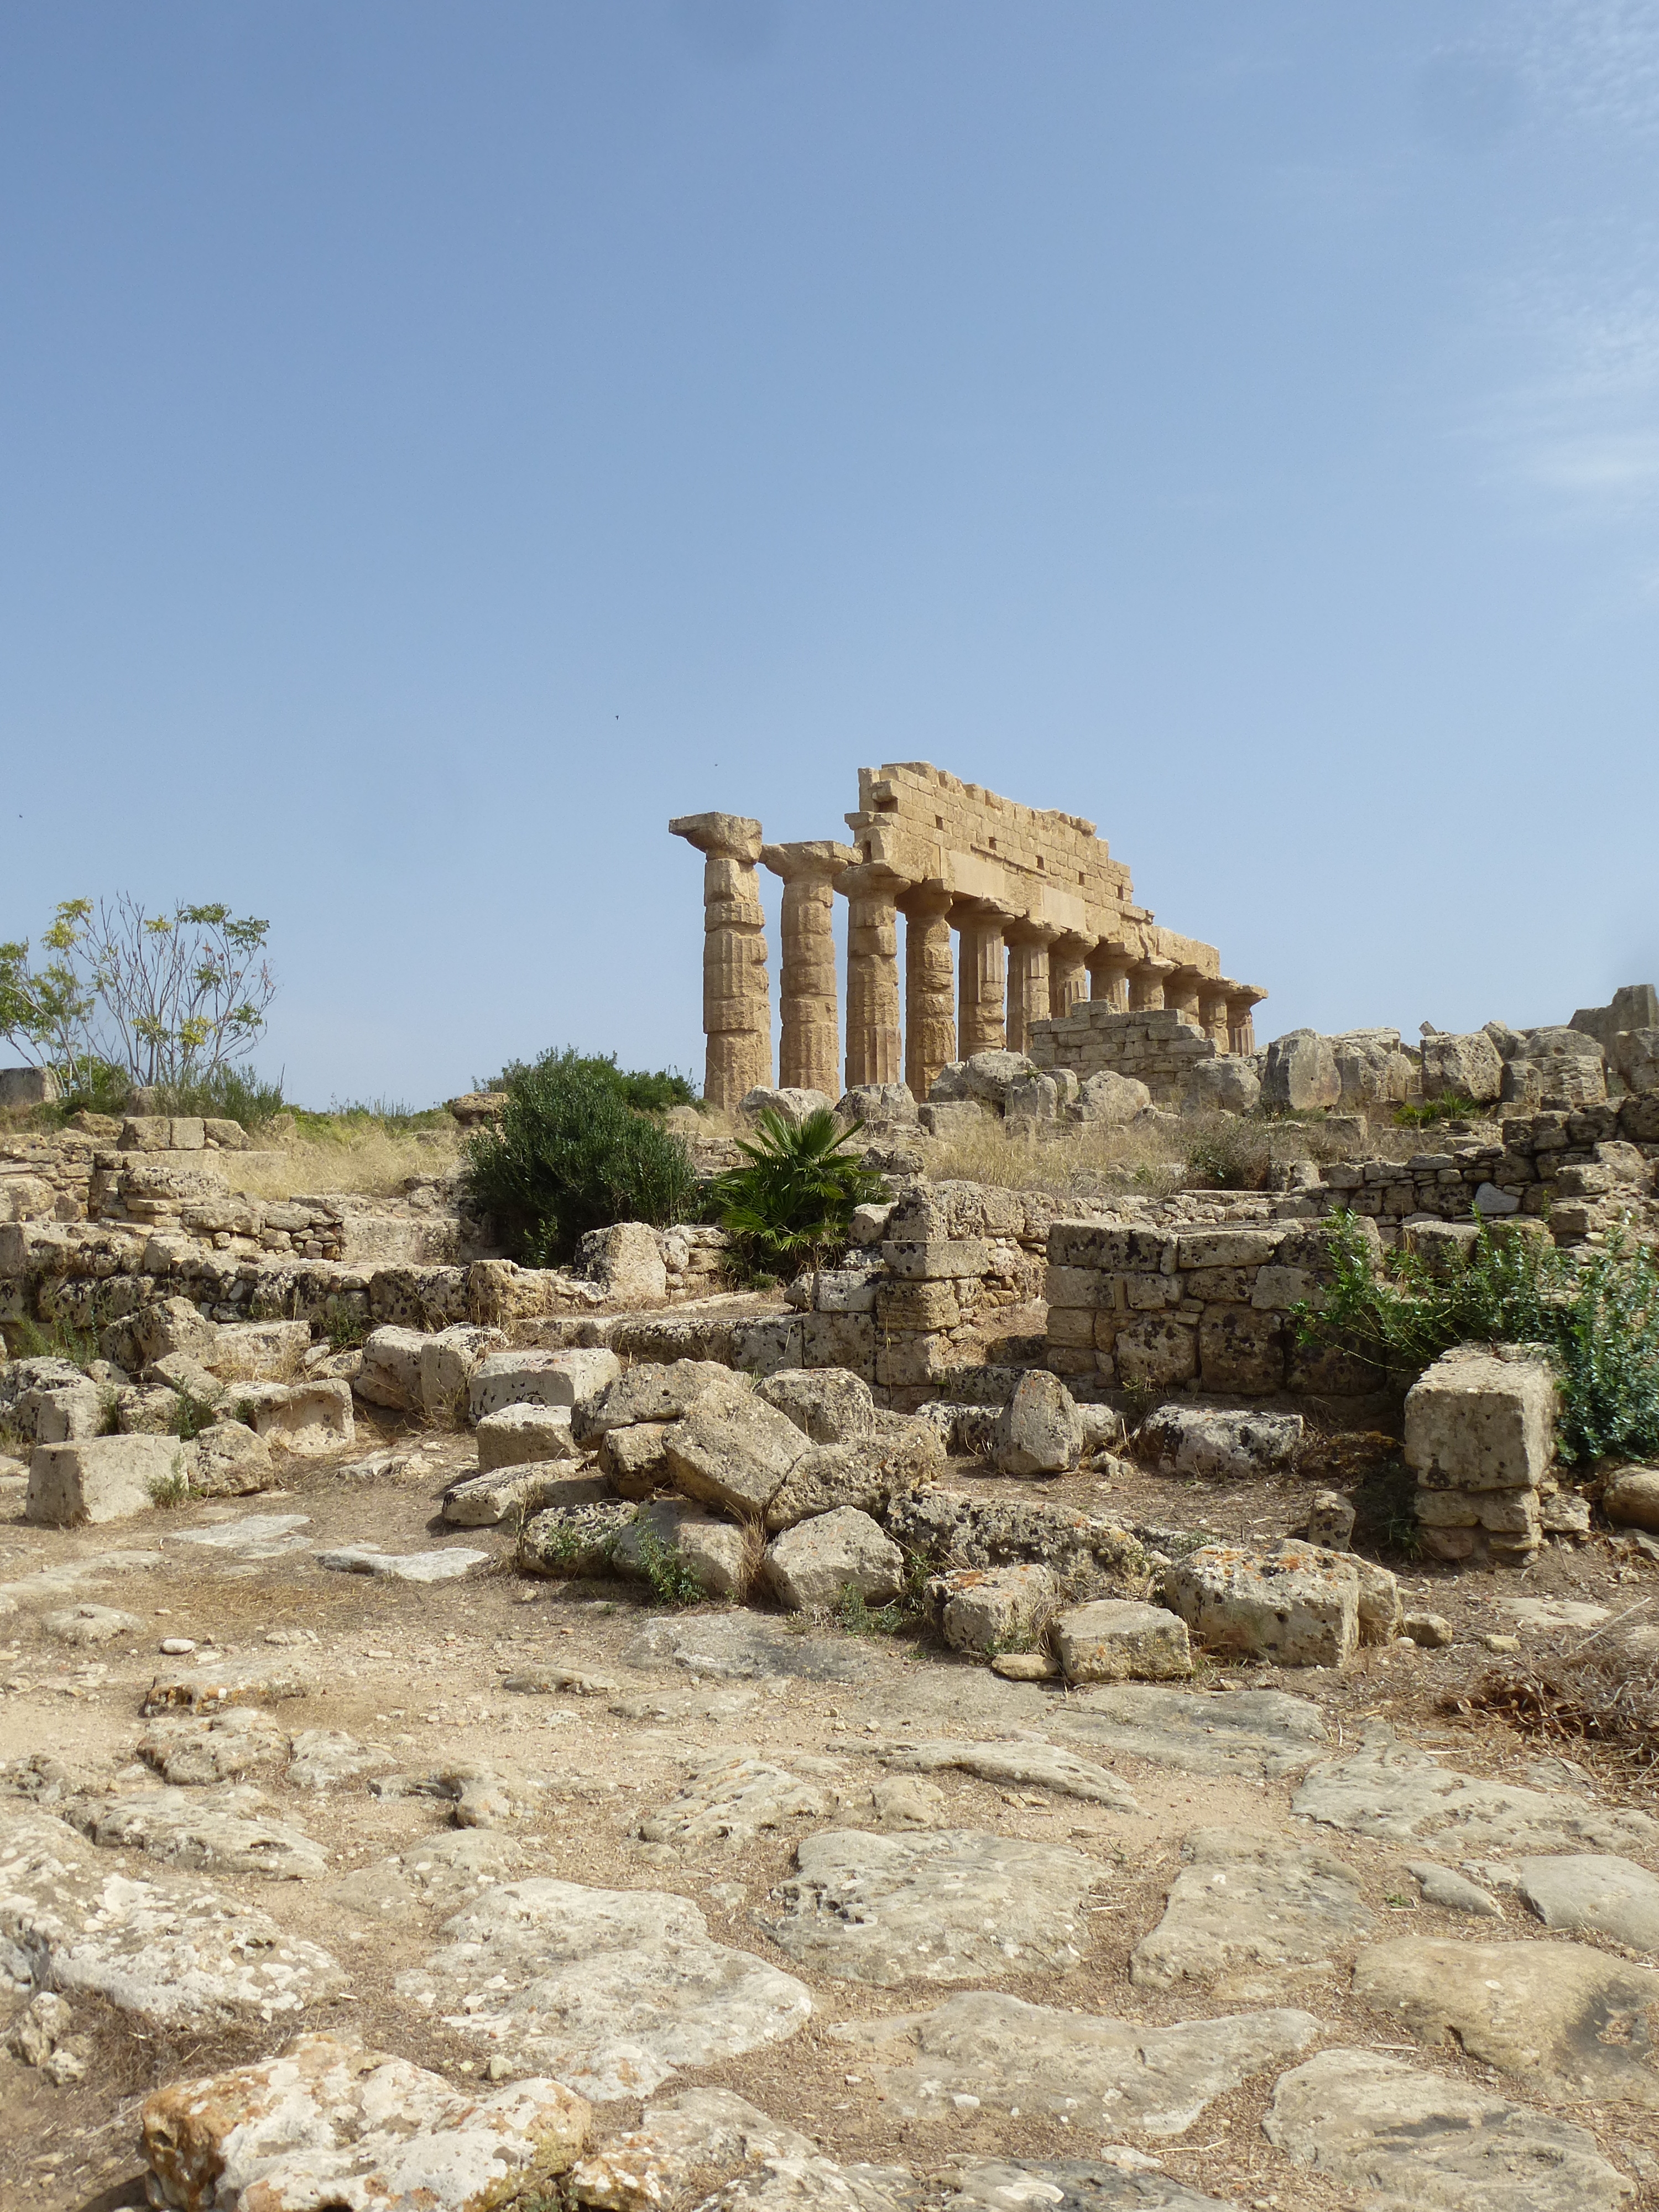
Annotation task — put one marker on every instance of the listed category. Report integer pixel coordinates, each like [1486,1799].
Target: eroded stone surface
[403,1566]
[1246,1911]
[1101,2184]
[732,1799]
[1256,1732]
[611,1990]
[440,1873]
[1406,2141]
[746,1646]
[943,1907]
[1026,1764]
[325,1758]
[228,1829]
[202,1749]
[1101,2073]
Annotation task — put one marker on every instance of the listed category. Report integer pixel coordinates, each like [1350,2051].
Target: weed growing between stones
[191,1415]
[344,1325]
[672,1579]
[1422,1113]
[1595,1310]
[172,1488]
[1600,1693]
[60,1338]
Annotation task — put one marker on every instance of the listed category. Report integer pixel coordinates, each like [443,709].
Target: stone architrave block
[98,1478]
[1476,1423]
[1114,1640]
[736,1453]
[540,1378]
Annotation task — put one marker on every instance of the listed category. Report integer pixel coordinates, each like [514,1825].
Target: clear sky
[439,442]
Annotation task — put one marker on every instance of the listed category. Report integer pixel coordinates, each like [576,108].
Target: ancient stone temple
[1044,919]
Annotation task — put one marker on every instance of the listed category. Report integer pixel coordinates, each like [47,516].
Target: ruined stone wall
[1160,1048]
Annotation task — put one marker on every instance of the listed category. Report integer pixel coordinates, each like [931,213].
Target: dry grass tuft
[1600,1695]
[357,1155]
[1087,1162]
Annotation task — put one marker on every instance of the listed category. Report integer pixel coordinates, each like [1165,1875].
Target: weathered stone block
[1114,1640]
[830,1406]
[815,1563]
[519,1436]
[99,1478]
[1040,1430]
[838,1341]
[937,1259]
[1476,1423]
[1242,1349]
[305,1418]
[1155,1355]
[540,1378]
[1290,1607]
[994,1609]
[735,1453]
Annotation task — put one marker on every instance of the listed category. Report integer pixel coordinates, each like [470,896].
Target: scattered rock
[1297,1605]
[1098,2073]
[735,1452]
[322,1758]
[526,1435]
[701,2133]
[613,1990]
[811,1566]
[573,1539]
[733,1799]
[403,1566]
[1245,1912]
[718,1553]
[943,1907]
[1610,1896]
[1452,1893]
[897,1454]
[197,1750]
[440,1873]
[98,1478]
[828,1405]
[481,1501]
[90,1624]
[1256,1732]
[251,1536]
[1631,1500]
[1025,1763]
[1330,1520]
[1408,2142]
[746,1646]
[1114,1640]
[304,1418]
[329,2123]
[652,1394]
[1185,1440]
[991,1610]
[1432,1630]
[1026,1666]
[227,1829]
[258,1681]
[227,1460]
[1040,1430]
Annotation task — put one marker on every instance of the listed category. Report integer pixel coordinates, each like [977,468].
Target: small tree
[794,1200]
[167,999]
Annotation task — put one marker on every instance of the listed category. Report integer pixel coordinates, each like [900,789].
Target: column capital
[1154,964]
[818,859]
[926,901]
[871,879]
[1024,929]
[1243,994]
[721,837]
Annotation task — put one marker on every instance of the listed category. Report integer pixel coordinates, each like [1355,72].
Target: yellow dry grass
[1087,1161]
[354,1155]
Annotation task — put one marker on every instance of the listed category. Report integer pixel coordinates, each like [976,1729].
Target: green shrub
[647,1092]
[172,1488]
[191,1414]
[1422,1113]
[1597,1311]
[672,1578]
[792,1203]
[344,1325]
[229,1094]
[1227,1152]
[567,1154]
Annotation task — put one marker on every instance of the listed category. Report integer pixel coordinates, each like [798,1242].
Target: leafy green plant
[172,1488]
[672,1578]
[226,1094]
[1422,1113]
[646,1091]
[61,1338]
[166,998]
[1596,1312]
[568,1154]
[344,1325]
[191,1414]
[791,1203]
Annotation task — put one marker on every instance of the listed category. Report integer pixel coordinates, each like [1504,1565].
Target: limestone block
[735,1453]
[876,1102]
[846,1290]
[1330,1520]
[1301,1073]
[1155,1355]
[814,1564]
[483,1500]
[839,1339]
[1227,1247]
[1631,1500]
[23,1087]
[262,1351]
[985,1076]
[540,1378]
[938,1259]
[635,1461]
[306,1418]
[959,1117]
[1114,1641]
[1241,1348]
[1226,1085]
[1477,1423]
[520,1434]
[793,1105]
[651,1392]
[626,1259]
[98,1478]
[917,1306]
[719,1553]
[146,1133]
[1297,1607]
[1040,1430]
[991,1610]
[391,1373]
[58,1407]
[449,1360]
[1461,1066]
[898,1455]
[227,1460]
[828,1405]
[1110,1099]
[172,1325]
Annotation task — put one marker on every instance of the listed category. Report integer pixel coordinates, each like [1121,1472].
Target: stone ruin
[1046,922]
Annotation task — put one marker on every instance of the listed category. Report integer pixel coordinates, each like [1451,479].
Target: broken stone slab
[813,2183]
[1098,2073]
[1396,1794]
[227,1460]
[1118,2178]
[944,1907]
[1608,1895]
[992,1610]
[1218,1446]
[1039,1430]
[1452,1892]
[1400,2140]
[540,1378]
[167,1950]
[549,1681]
[481,1501]
[811,1566]
[330,2123]
[1261,1733]
[323,1758]
[747,1647]
[1296,1604]
[439,1874]
[52,1583]
[612,1990]
[734,1452]
[99,1478]
[226,1829]
[442,1566]
[522,1436]
[1026,1763]
[1247,1911]
[88,1625]
[1575,2023]
[897,1454]
[197,1750]
[304,1418]
[1118,1640]
[701,2133]
[483,1795]
[654,1394]
[266,1679]
[249,1536]
[732,1799]
[718,1553]
[1552,1612]
[1090,1552]
[828,1405]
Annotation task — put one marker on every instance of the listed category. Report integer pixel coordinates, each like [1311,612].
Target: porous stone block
[1631,1500]
[391,1373]
[815,1563]
[1040,1430]
[1114,1640]
[306,1418]
[718,1553]
[1467,1067]
[540,1378]
[828,1405]
[626,1259]
[1301,1073]
[1297,1607]
[1155,1355]
[937,1259]
[735,1452]
[448,1361]
[519,1435]
[635,1461]
[99,1478]
[1477,1423]
[989,1610]
[1242,1349]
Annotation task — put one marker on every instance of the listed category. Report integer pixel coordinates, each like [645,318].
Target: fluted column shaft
[1212,1016]
[930,1029]
[1241,1017]
[809,1048]
[1181,992]
[736,1014]
[1028,981]
[874,1047]
[980,983]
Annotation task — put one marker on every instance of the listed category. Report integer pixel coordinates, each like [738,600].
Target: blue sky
[437,443]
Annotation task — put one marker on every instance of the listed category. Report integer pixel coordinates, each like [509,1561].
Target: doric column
[1068,974]
[1242,999]
[873,1048]
[981,1014]
[736,1014]
[1212,1012]
[1181,992]
[809,1048]
[930,1028]
[1027,980]
[1146,980]
[1108,973]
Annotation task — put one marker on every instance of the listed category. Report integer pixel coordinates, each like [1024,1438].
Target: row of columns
[1010,972]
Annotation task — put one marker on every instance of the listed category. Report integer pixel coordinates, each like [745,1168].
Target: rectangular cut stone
[301,1417]
[1070,1326]
[540,1378]
[1114,1640]
[98,1478]
[938,1259]
[1085,1244]
[839,1339]
[845,1289]
[909,1360]
[1475,1423]
[918,1306]
[1071,1286]
[1227,1247]
[1275,1289]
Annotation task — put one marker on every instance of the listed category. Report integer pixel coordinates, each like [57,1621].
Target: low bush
[791,1204]
[1229,1151]
[566,1154]
[1422,1113]
[1597,1311]
[648,1091]
[670,1577]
